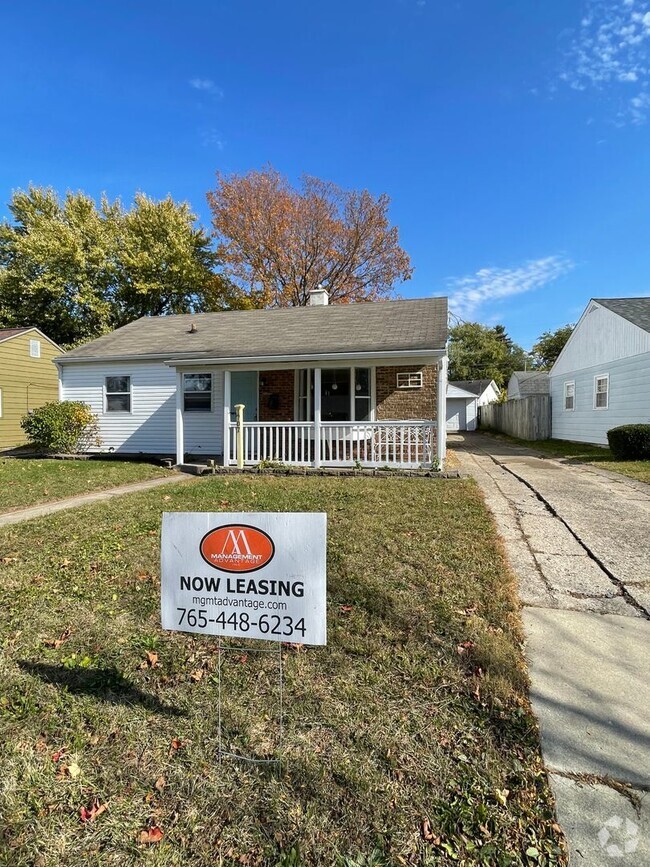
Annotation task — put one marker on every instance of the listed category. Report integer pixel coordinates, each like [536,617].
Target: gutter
[255,359]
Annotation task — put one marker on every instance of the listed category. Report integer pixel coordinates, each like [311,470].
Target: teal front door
[243,389]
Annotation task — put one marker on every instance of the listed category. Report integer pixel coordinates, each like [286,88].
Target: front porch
[375,416]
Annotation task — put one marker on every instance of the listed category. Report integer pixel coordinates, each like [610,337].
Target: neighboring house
[464,399]
[525,383]
[601,379]
[322,385]
[28,378]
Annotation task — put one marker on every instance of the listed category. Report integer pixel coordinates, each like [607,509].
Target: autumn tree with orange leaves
[277,242]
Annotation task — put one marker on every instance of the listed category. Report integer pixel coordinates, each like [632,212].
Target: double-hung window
[601,391]
[197,392]
[569,396]
[362,395]
[118,394]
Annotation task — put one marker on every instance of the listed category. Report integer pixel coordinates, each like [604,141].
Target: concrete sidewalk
[579,541]
[19,515]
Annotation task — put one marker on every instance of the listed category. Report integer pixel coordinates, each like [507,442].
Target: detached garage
[462,409]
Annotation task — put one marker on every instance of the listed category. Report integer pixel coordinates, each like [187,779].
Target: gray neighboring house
[601,379]
[322,385]
[463,400]
[525,383]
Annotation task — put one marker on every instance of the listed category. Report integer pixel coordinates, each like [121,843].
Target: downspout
[441,426]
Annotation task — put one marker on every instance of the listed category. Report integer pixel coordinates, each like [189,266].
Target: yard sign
[245,574]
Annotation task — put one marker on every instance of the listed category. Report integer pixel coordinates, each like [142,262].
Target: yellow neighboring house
[28,378]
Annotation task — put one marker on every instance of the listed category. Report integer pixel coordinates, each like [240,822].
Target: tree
[479,352]
[277,242]
[77,270]
[549,345]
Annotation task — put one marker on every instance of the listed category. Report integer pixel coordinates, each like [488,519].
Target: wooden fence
[526,419]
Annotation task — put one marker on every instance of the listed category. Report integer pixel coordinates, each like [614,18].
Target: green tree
[77,270]
[479,352]
[549,345]
[57,265]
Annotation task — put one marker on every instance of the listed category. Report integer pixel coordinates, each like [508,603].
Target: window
[601,391]
[410,380]
[118,394]
[362,404]
[569,395]
[35,348]
[197,392]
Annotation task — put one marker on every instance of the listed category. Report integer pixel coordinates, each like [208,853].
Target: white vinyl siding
[628,400]
[150,427]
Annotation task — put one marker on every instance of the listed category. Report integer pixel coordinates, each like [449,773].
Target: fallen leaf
[159,785]
[197,675]
[166,498]
[427,834]
[89,814]
[243,658]
[464,646]
[57,755]
[502,795]
[151,835]
[344,609]
[8,559]
[151,660]
[176,744]
[65,563]
[73,770]
[57,642]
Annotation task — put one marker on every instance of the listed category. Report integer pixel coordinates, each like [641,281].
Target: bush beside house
[68,427]
[630,442]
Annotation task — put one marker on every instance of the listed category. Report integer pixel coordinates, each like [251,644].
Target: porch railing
[405,444]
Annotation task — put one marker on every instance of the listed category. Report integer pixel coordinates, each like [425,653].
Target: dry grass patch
[407,740]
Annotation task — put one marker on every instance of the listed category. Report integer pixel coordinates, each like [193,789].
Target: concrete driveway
[578,539]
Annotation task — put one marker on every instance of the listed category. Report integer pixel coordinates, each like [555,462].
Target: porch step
[194,469]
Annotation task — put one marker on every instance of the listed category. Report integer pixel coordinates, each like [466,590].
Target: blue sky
[512,136]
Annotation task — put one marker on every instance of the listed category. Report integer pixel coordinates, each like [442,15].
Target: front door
[243,389]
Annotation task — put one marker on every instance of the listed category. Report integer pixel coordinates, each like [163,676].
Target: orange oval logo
[237,548]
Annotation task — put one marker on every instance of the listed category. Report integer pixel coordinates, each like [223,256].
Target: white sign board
[245,574]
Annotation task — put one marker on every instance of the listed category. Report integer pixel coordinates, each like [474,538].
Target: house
[601,379]
[525,383]
[463,400]
[28,378]
[322,385]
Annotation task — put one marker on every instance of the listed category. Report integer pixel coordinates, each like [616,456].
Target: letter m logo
[236,543]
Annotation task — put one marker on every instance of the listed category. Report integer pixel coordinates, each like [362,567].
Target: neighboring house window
[35,348]
[197,392]
[601,391]
[569,395]
[409,380]
[118,394]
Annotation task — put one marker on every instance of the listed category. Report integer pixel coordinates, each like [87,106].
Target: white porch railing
[403,444]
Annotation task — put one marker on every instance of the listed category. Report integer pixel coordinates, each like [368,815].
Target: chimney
[319,297]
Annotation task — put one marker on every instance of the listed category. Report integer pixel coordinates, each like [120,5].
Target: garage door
[456,413]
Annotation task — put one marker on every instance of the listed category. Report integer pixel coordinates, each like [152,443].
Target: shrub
[630,442]
[68,427]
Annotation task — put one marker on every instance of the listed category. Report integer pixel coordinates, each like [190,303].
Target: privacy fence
[527,419]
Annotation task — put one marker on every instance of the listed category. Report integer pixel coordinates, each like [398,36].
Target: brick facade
[276,401]
[395,403]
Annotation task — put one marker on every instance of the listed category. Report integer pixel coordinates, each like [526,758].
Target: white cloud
[609,53]
[206,85]
[211,138]
[468,294]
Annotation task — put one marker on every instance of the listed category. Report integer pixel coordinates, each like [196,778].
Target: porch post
[441,426]
[226,417]
[180,445]
[317,419]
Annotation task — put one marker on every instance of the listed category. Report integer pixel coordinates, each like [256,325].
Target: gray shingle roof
[635,310]
[384,326]
[475,386]
[533,381]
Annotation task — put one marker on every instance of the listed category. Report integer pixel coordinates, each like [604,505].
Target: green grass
[416,710]
[586,453]
[26,482]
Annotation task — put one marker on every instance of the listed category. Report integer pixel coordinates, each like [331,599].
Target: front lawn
[408,740]
[587,454]
[28,481]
